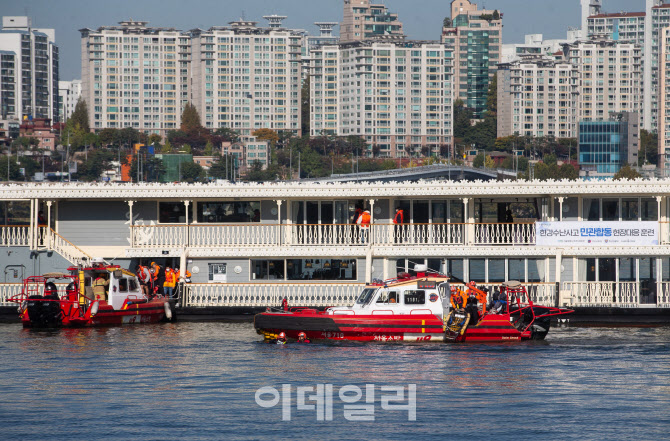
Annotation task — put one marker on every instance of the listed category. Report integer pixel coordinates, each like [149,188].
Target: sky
[422,19]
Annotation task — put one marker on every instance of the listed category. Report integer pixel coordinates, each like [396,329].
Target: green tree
[549,159]
[14,172]
[108,136]
[209,149]
[80,116]
[97,163]
[185,149]
[190,171]
[190,119]
[167,147]
[648,148]
[478,161]
[492,97]
[227,135]
[255,172]
[462,117]
[568,171]
[446,23]
[626,172]
[266,135]
[489,162]
[152,168]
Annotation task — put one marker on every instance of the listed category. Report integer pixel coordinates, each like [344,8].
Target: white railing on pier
[14,235]
[505,234]
[616,294]
[158,236]
[419,234]
[270,294]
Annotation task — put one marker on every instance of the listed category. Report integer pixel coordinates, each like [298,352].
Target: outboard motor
[45,312]
[540,327]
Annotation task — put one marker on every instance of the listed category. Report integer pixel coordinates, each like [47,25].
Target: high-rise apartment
[247,77]
[605,146]
[664,104]
[476,35]
[538,96]
[69,93]
[397,96]
[29,73]
[363,21]
[643,28]
[135,76]
[611,77]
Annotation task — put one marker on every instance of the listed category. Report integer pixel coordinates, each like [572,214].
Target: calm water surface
[197,381]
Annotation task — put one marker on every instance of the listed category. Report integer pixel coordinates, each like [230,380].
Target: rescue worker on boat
[302,338]
[398,221]
[100,287]
[159,280]
[457,301]
[170,282]
[144,276]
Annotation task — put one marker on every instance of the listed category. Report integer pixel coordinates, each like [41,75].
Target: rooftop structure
[364,20]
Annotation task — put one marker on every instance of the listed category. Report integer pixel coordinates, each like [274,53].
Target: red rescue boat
[417,308]
[96,295]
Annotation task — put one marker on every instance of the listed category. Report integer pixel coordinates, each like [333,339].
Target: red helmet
[302,335]
[282,335]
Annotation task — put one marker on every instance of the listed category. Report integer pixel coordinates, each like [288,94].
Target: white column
[469,228]
[559,264]
[186,234]
[368,266]
[31,228]
[48,229]
[195,210]
[663,227]
[279,231]
[560,208]
[372,219]
[130,225]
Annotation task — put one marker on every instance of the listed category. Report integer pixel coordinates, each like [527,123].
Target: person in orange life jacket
[364,222]
[302,338]
[144,276]
[168,286]
[159,279]
[398,220]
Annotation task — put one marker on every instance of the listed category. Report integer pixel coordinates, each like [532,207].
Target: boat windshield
[366,296]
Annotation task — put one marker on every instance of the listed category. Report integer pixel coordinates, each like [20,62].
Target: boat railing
[295,235]
[613,294]
[271,294]
[14,235]
[9,290]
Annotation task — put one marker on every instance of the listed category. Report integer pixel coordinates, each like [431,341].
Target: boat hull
[384,328]
[69,315]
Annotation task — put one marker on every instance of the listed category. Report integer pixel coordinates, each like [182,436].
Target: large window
[267,270]
[172,213]
[321,269]
[229,212]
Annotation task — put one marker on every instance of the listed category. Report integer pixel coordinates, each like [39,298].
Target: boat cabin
[405,295]
[118,284]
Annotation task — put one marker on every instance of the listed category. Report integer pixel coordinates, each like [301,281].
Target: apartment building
[246,77]
[135,76]
[398,96]
[29,58]
[643,28]
[69,93]
[538,96]
[610,74]
[363,20]
[476,35]
[664,104]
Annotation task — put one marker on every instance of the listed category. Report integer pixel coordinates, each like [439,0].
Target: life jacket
[144,274]
[169,279]
[364,220]
[399,217]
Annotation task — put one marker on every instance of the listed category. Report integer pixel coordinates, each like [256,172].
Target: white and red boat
[42,304]
[416,308]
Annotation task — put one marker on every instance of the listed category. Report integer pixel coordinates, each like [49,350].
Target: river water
[200,381]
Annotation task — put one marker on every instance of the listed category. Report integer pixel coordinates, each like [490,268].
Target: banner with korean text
[601,233]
